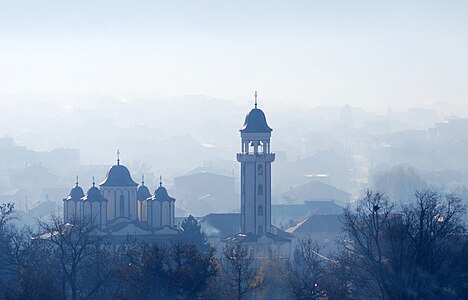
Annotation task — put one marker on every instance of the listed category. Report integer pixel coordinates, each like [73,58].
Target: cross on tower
[76,180]
[160,180]
[255,99]
[118,157]
[94,183]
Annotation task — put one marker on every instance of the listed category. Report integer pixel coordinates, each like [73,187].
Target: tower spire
[76,180]
[255,99]
[142,179]
[160,180]
[94,183]
[118,157]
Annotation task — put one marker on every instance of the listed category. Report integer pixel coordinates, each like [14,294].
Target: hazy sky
[365,53]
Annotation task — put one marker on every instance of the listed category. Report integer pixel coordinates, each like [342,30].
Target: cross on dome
[118,157]
[255,99]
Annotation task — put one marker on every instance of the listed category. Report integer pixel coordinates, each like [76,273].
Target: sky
[372,54]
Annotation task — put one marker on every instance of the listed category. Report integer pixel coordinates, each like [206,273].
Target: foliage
[191,234]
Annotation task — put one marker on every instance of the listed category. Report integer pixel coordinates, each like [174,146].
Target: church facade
[120,207]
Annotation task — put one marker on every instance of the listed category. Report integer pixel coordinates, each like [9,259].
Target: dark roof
[316,190]
[318,224]
[94,194]
[143,193]
[118,175]
[161,195]
[255,122]
[76,193]
[220,225]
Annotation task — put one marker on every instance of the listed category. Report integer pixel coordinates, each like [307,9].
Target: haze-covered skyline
[302,53]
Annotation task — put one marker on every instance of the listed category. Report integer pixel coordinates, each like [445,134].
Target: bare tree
[413,253]
[240,270]
[305,275]
[78,248]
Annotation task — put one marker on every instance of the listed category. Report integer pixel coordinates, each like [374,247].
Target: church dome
[118,175]
[143,193]
[93,194]
[255,122]
[161,194]
[76,193]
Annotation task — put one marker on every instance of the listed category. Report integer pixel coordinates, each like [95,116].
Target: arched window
[122,205]
[260,170]
[260,230]
[260,210]
[260,190]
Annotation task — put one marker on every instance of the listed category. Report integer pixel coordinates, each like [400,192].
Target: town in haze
[244,150]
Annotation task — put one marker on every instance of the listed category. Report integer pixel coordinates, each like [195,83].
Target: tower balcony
[253,157]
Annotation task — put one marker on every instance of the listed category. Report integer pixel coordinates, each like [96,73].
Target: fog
[50,139]
[355,92]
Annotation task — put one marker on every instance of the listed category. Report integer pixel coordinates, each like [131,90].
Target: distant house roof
[317,207]
[118,175]
[318,224]
[323,207]
[317,190]
[220,224]
[207,170]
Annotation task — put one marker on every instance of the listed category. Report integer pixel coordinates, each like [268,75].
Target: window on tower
[260,190]
[260,210]
[260,170]
[122,205]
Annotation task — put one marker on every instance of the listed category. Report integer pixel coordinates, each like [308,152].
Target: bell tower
[255,158]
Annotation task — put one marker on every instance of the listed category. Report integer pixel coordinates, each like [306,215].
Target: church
[120,207]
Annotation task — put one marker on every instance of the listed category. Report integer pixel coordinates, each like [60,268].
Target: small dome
[143,193]
[161,194]
[255,122]
[93,194]
[76,193]
[118,175]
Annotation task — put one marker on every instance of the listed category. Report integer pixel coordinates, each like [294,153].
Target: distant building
[316,191]
[257,233]
[324,229]
[206,190]
[286,215]
[120,208]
